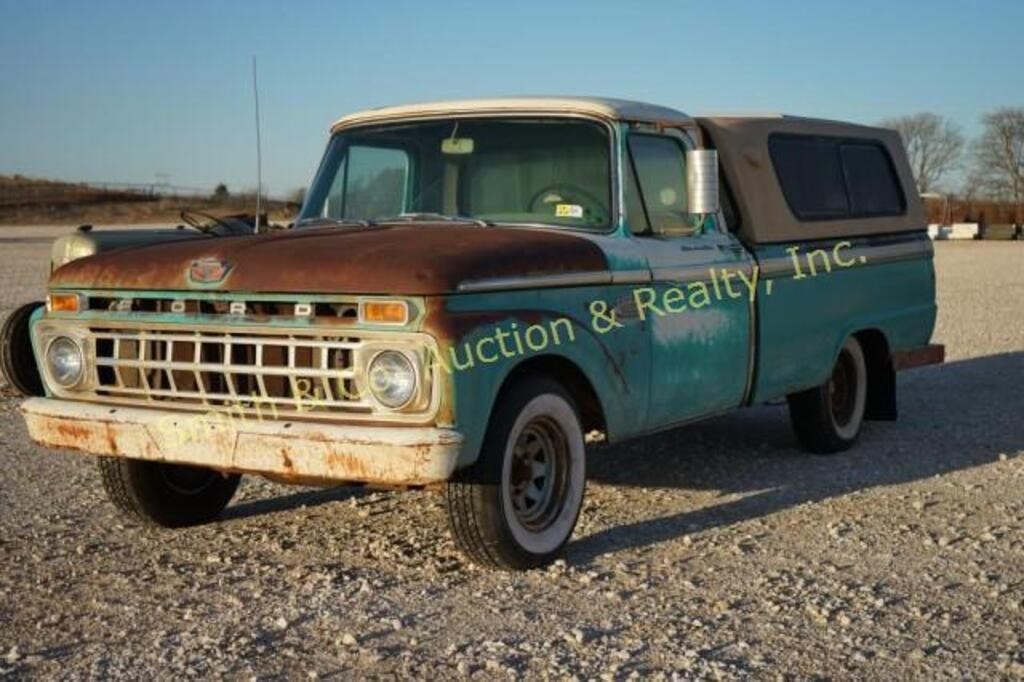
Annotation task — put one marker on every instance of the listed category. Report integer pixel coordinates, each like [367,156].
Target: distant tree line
[993,163]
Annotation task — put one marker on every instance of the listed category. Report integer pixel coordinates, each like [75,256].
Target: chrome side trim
[569,279]
[631,277]
[700,273]
[877,254]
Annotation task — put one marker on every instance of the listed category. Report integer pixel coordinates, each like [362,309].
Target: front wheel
[163,494]
[517,506]
[828,418]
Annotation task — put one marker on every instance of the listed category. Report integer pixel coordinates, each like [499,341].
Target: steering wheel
[565,193]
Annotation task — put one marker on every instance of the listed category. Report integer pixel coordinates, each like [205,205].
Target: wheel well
[881,398]
[17,357]
[572,378]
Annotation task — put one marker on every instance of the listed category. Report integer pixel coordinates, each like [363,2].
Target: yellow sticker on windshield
[568,211]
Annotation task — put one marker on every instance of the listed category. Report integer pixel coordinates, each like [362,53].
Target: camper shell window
[833,178]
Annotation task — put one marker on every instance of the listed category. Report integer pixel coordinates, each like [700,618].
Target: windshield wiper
[432,217]
[333,222]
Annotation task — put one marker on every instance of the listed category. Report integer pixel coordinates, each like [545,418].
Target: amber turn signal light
[385,312]
[63,303]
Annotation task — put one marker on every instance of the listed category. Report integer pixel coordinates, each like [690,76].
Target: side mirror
[702,180]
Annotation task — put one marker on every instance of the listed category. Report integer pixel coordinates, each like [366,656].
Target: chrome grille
[327,310]
[244,369]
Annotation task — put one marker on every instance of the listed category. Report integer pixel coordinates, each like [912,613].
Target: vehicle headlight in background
[65,361]
[392,378]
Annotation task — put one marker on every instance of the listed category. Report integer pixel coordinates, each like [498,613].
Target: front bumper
[292,450]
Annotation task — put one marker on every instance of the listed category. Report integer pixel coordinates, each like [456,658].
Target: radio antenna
[259,159]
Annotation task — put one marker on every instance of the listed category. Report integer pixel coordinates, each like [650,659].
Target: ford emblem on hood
[208,270]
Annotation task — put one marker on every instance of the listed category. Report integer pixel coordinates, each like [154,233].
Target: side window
[826,178]
[811,177]
[636,216]
[660,164]
[371,183]
[874,189]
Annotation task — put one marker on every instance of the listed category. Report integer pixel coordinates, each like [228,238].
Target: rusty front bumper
[299,451]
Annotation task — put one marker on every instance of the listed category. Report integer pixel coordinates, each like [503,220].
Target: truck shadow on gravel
[296,500]
[952,417]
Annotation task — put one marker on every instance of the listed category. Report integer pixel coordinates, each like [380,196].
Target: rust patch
[419,259]
[66,432]
[111,439]
[286,461]
[352,467]
[298,480]
[347,466]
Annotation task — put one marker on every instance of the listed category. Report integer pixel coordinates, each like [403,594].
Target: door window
[660,164]
[636,216]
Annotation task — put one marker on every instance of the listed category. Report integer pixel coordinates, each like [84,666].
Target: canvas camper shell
[761,212]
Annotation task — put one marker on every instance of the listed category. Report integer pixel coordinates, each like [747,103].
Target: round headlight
[392,379]
[66,361]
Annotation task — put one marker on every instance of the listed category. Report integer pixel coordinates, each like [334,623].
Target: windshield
[494,170]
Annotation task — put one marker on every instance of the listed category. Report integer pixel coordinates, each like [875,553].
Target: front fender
[480,348]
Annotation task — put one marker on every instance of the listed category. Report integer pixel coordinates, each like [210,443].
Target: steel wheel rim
[842,389]
[539,475]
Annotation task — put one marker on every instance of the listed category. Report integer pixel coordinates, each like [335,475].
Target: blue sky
[121,91]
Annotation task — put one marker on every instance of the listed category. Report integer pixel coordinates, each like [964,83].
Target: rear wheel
[163,494]
[828,418]
[517,506]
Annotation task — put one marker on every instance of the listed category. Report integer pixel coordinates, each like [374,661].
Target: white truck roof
[601,107]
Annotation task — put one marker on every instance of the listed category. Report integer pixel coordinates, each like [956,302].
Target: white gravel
[717,550]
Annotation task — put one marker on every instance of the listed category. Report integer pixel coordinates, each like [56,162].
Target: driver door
[698,306]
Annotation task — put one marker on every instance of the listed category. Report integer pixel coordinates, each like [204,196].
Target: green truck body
[457,309]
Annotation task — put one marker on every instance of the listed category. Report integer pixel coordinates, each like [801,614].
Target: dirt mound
[34,201]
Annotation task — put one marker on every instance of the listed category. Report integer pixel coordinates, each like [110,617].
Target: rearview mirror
[702,180]
[457,145]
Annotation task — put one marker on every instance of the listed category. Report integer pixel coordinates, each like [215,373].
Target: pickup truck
[472,292]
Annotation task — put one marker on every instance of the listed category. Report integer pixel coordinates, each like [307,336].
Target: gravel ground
[717,550]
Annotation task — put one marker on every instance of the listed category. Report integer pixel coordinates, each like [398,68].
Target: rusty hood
[420,259]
